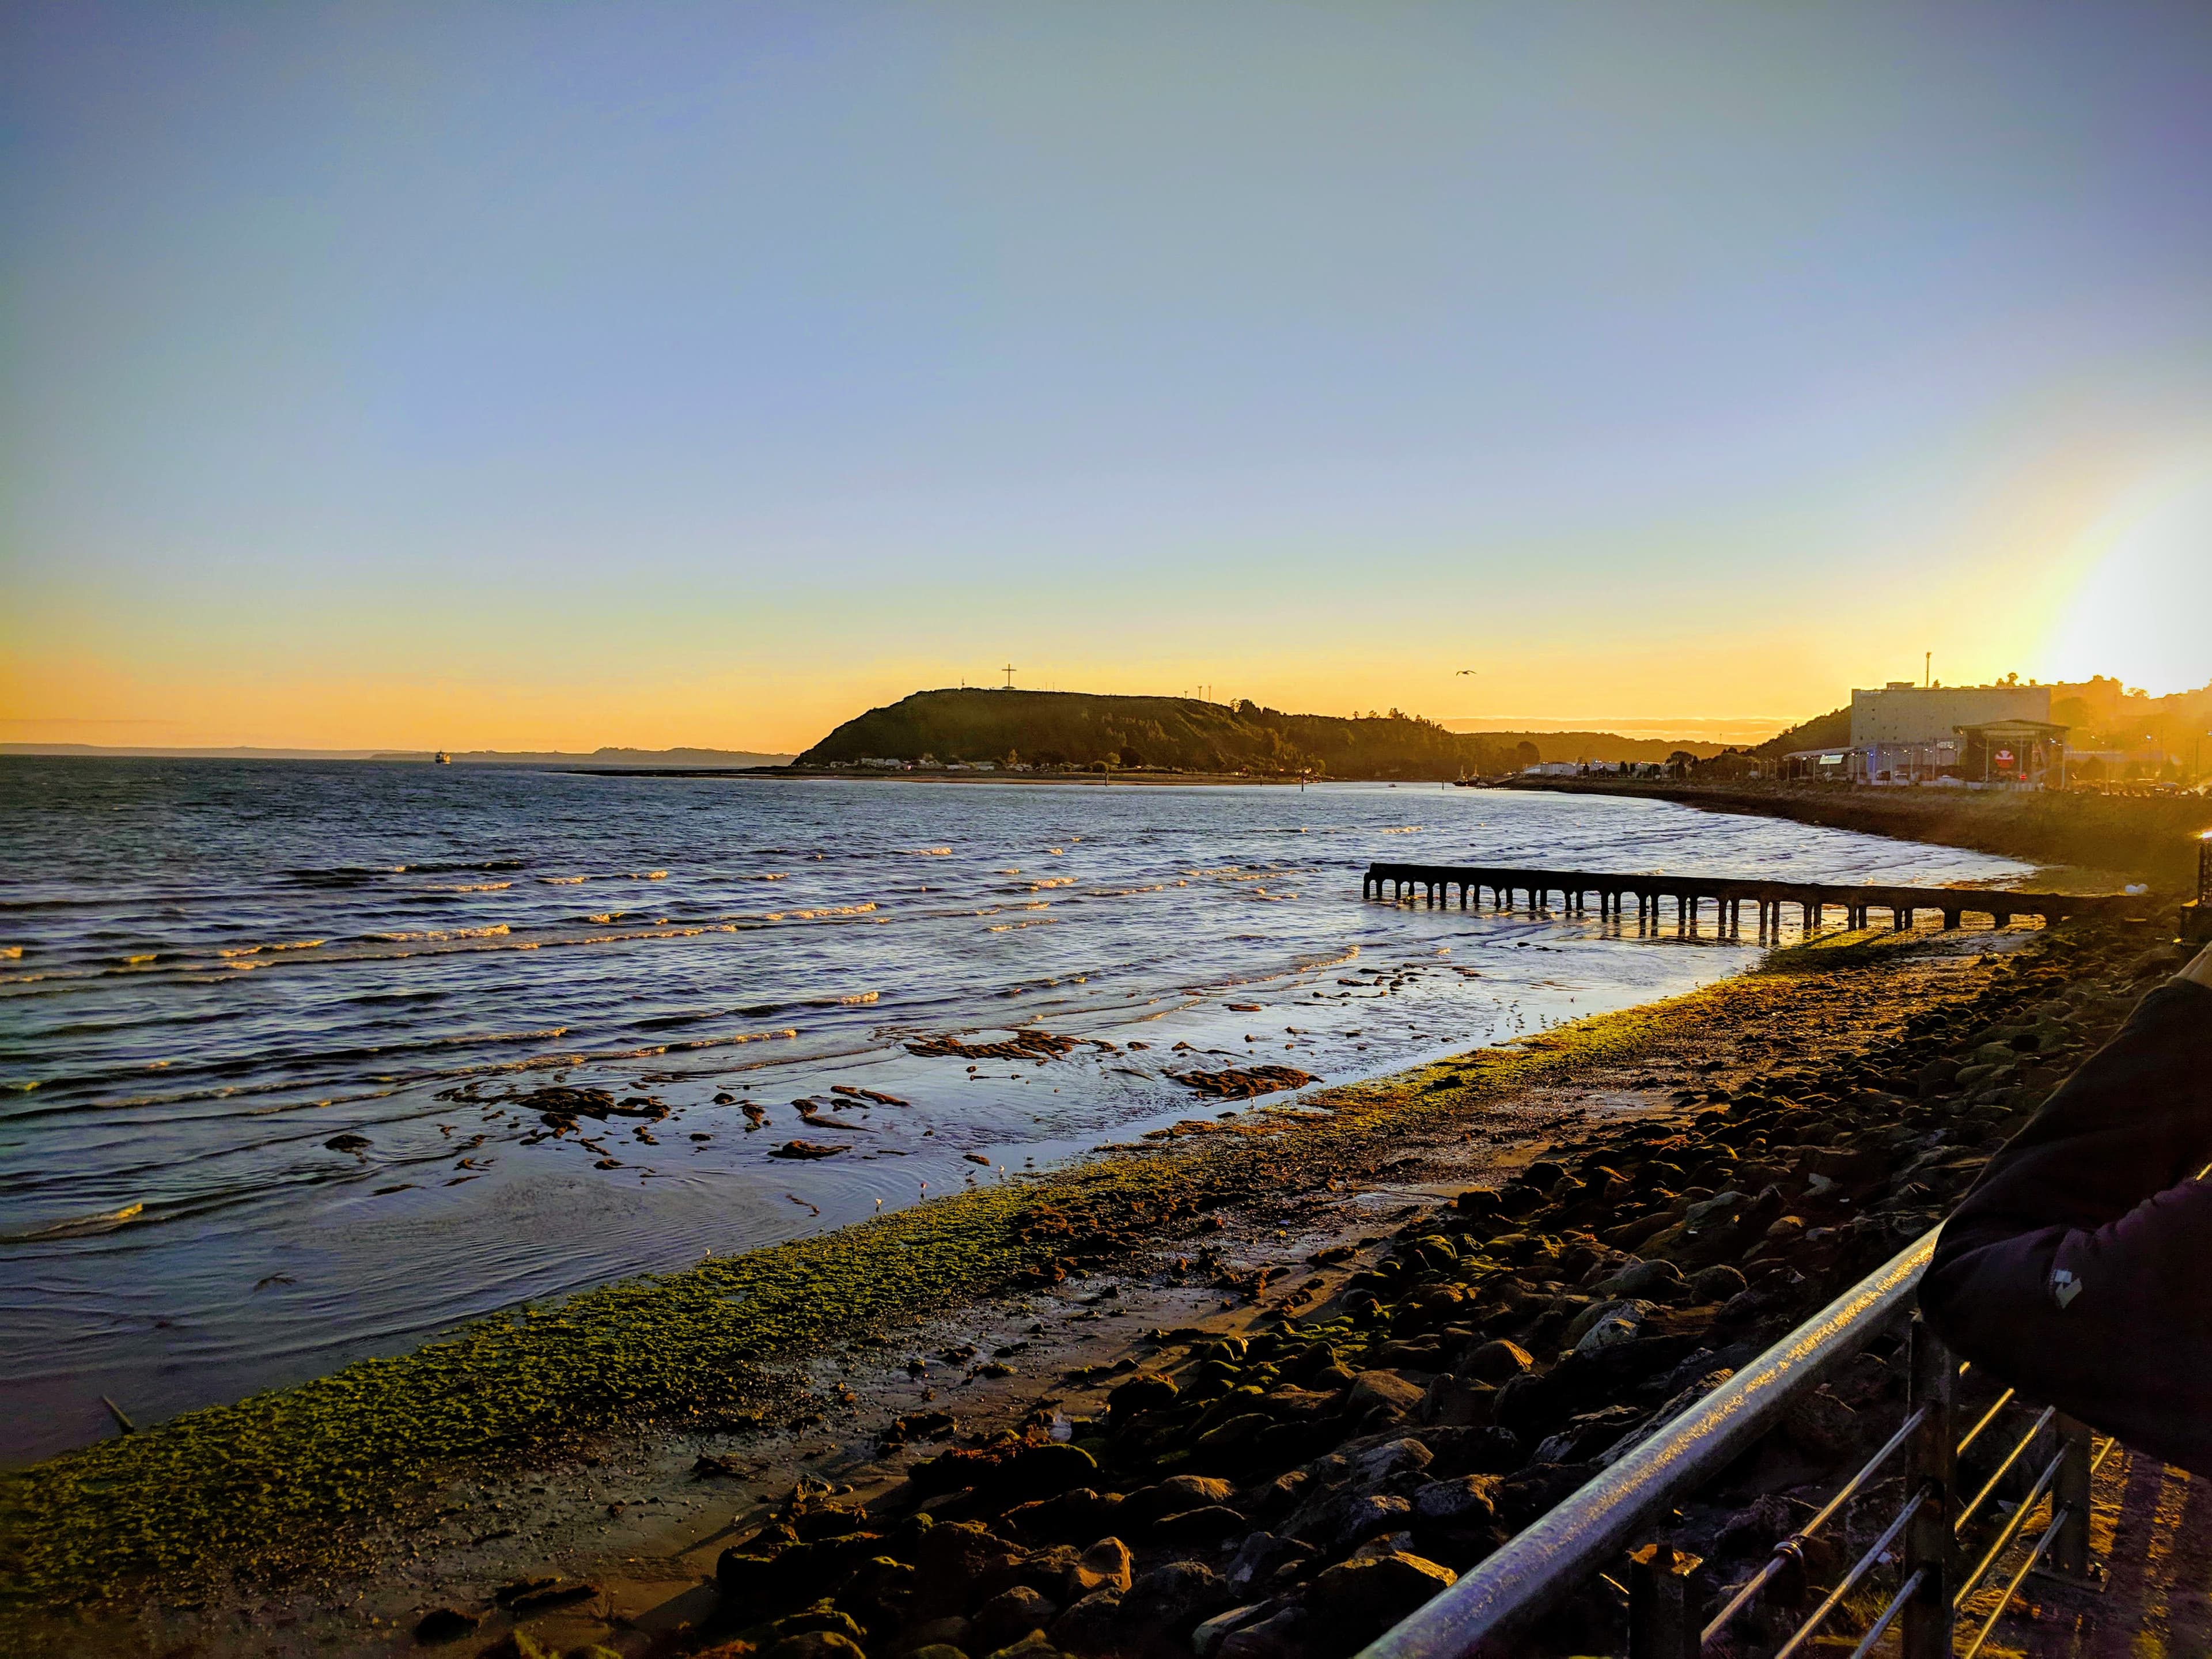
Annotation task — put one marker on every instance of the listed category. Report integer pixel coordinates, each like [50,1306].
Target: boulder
[1457,1402]
[1353,1603]
[1176,1493]
[1165,1602]
[1009,1616]
[1717,1283]
[939,1633]
[1262,1558]
[1069,1518]
[1528,1492]
[1091,1628]
[1822,1426]
[1372,1465]
[1385,1392]
[816,1644]
[1649,1280]
[1490,1450]
[1200,1526]
[1145,1393]
[1338,1520]
[950,1561]
[1615,1322]
[1282,1636]
[1469,1501]
[1104,1565]
[1496,1361]
[1207,1639]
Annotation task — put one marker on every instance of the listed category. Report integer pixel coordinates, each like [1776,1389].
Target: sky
[512,376]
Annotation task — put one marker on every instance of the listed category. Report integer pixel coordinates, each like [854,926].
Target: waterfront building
[1903,733]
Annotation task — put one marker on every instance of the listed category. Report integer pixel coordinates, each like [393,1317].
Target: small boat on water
[441,758]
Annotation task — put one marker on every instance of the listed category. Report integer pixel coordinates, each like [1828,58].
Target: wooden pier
[1506,889]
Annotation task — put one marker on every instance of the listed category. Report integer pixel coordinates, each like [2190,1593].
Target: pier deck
[1649,895]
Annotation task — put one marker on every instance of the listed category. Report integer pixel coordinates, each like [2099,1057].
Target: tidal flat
[563,1440]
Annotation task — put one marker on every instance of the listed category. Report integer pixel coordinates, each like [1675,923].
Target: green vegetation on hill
[1072,729]
[1829,731]
[1056,730]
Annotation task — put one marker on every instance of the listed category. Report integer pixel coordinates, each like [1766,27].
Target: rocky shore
[1343,1420]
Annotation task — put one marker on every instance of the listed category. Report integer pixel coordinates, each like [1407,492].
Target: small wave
[432,935]
[931,852]
[1401,829]
[649,1052]
[1012,927]
[1052,881]
[816,915]
[563,881]
[256,949]
[772,876]
[468,887]
[11,952]
[79,1226]
[645,875]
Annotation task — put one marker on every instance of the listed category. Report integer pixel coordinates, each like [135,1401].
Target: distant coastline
[602,759]
[849,774]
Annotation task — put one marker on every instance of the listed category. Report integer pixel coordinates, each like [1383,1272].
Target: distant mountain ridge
[617,758]
[1089,732]
[603,757]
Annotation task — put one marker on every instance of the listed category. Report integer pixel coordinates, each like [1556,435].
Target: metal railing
[1925,1545]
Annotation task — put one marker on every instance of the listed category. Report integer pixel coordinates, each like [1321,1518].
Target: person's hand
[2201,969]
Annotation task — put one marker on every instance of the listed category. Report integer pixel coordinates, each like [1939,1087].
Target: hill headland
[1081,732]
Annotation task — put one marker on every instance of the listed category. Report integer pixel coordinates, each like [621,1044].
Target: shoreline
[366,1456]
[844,774]
[2153,839]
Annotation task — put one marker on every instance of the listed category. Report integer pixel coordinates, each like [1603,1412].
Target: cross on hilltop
[1009,672]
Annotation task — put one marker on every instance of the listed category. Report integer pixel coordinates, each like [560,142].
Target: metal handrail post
[1664,1603]
[1931,1467]
[2068,1558]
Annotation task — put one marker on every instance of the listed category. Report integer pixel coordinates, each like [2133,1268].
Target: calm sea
[210,970]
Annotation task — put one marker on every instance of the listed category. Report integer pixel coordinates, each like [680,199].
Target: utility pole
[1927,669]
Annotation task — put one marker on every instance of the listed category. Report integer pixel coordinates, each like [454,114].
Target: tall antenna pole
[1927,668]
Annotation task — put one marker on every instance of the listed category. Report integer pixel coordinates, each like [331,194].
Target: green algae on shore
[293,1480]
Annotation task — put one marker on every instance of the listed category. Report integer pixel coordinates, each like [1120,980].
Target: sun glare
[2143,606]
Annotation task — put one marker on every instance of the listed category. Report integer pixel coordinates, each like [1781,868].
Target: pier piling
[1507,888]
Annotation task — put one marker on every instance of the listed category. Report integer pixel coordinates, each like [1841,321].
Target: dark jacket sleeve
[2078,1268]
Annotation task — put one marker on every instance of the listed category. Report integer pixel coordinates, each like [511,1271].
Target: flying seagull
[1465,670]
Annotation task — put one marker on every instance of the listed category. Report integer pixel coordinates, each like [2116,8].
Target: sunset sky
[505,375]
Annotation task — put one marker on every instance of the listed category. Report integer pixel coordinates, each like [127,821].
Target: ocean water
[211,970]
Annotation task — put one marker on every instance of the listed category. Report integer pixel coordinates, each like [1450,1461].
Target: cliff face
[1076,729]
